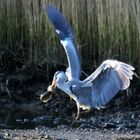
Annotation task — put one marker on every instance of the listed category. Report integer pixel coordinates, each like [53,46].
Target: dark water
[25,119]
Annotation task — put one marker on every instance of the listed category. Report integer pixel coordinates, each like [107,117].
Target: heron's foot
[86,111]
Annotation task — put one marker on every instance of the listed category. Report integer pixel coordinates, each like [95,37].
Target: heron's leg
[78,114]
[70,98]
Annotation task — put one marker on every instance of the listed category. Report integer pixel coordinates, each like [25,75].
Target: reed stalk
[104,29]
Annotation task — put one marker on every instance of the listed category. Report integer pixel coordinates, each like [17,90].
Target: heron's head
[58,80]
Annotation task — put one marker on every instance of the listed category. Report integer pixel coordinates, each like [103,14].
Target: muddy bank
[24,116]
[44,133]
[117,125]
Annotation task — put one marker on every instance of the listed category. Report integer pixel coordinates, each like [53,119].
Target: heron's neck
[64,86]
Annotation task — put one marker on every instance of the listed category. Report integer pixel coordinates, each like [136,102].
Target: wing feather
[107,80]
[66,36]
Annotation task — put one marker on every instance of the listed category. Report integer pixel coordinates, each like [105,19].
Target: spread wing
[107,80]
[65,34]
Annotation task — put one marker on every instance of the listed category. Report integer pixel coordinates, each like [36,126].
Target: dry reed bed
[103,29]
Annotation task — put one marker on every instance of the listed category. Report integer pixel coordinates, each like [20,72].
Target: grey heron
[98,88]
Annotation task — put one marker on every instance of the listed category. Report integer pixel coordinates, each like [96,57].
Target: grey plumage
[98,88]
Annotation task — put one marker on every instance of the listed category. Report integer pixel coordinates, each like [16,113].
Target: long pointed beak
[53,83]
